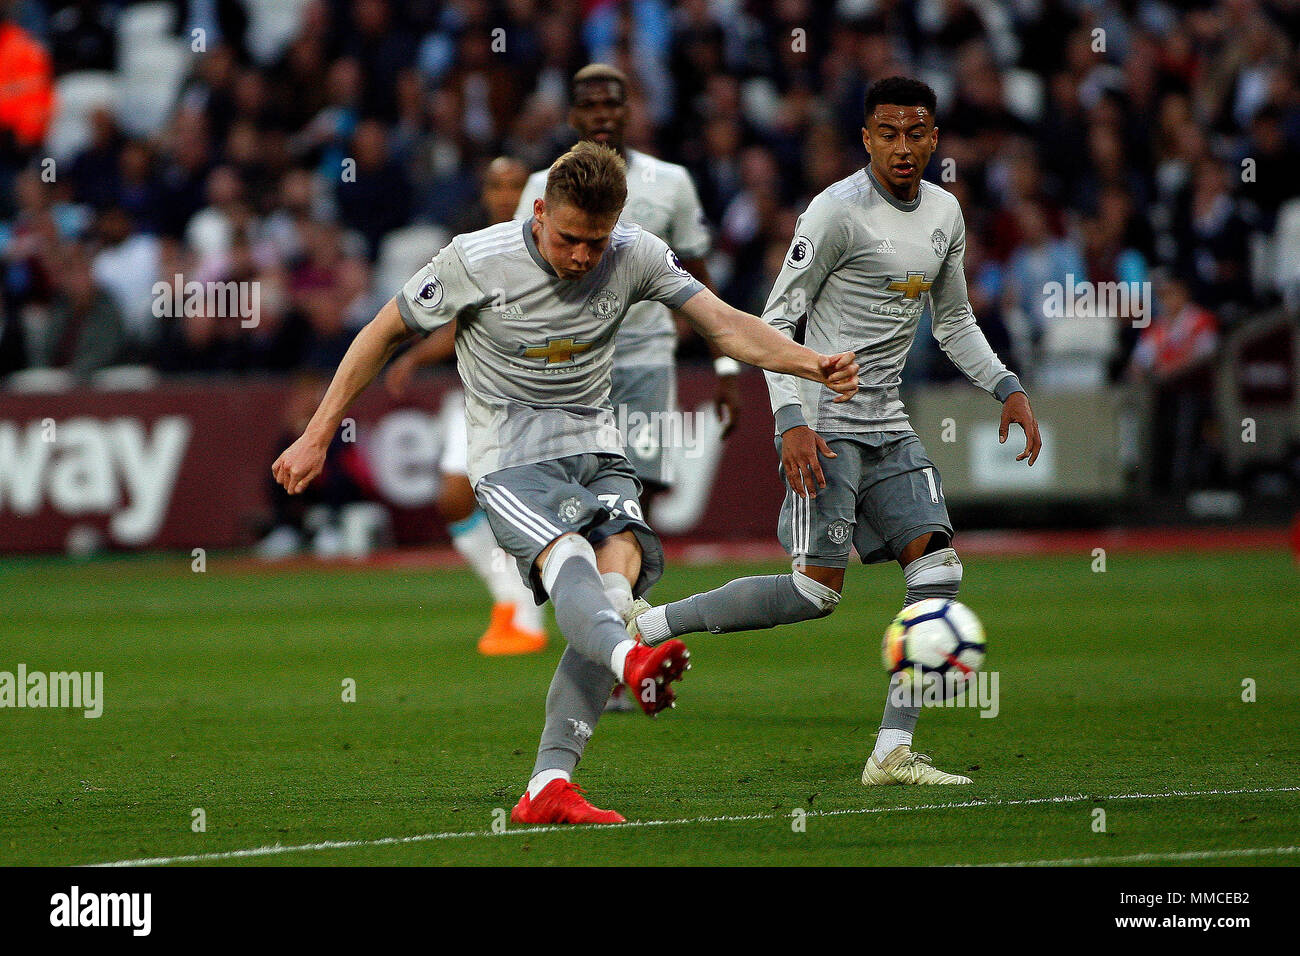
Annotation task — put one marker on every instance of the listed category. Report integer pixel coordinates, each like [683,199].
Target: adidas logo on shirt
[886,248]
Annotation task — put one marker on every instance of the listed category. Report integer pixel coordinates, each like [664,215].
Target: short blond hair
[590,177]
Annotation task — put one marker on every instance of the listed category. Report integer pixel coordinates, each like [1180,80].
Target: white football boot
[905,766]
[639,607]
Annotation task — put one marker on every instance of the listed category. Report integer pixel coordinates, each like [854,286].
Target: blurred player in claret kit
[536,305]
[867,252]
[662,199]
[516,625]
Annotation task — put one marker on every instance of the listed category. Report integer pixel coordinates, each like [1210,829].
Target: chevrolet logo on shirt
[560,350]
[912,286]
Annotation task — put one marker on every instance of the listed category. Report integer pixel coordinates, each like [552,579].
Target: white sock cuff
[568,546]
[817,594]
[888,740]
[542,778]
[940,567]
[612,580]
[653,626]
[618,590]
[618,658]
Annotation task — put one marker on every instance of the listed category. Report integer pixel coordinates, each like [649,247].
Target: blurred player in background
[867,254]
[516,626]
[545,459]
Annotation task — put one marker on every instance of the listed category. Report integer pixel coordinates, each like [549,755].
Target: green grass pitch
[223,691]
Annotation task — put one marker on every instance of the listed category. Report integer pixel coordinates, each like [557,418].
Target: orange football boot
[502,636]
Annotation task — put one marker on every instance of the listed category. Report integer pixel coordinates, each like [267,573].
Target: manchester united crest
[939,242]
[604,304]
[569,510]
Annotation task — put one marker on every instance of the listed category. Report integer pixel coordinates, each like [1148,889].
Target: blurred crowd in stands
[326,148]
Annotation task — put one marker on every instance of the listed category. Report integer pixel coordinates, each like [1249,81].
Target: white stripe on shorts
[540,519]
[523,522]
[801,522]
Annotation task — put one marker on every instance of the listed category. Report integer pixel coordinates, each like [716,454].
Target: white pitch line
[1150,857]
[685,821]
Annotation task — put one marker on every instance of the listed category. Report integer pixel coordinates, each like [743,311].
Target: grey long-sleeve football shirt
[860,267]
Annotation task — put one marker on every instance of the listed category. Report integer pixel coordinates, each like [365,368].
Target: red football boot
[649,673]
[561,801]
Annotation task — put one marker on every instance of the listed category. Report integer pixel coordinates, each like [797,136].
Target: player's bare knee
[620,553]
[819,598]
[622,542]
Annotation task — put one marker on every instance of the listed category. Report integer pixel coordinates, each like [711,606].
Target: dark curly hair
[899,91]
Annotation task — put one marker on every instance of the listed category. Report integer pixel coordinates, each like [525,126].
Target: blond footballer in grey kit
[661,198]
[537,305]
[867,254]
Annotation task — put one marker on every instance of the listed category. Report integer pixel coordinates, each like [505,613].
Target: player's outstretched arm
[302,461]
[749,339]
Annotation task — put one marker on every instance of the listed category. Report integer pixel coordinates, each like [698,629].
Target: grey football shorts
[882,492]
[594,495]
[638,396]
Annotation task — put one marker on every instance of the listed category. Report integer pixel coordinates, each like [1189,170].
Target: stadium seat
[364,526]
[404,252]
[942,83]
[1003,43]
[1075,352]
[272,25]
[143,22]
[41,381]
[152,74]
[125,378]
[1022,92]
[761,101]
[76,97]
[1286,253]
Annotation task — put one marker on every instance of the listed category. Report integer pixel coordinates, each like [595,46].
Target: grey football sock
[751,604]
[583,613]
[936,575]
[574,703]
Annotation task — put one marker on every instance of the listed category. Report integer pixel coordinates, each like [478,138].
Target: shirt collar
[890,197]
[531,245]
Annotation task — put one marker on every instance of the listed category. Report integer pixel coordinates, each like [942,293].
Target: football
[935,641]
